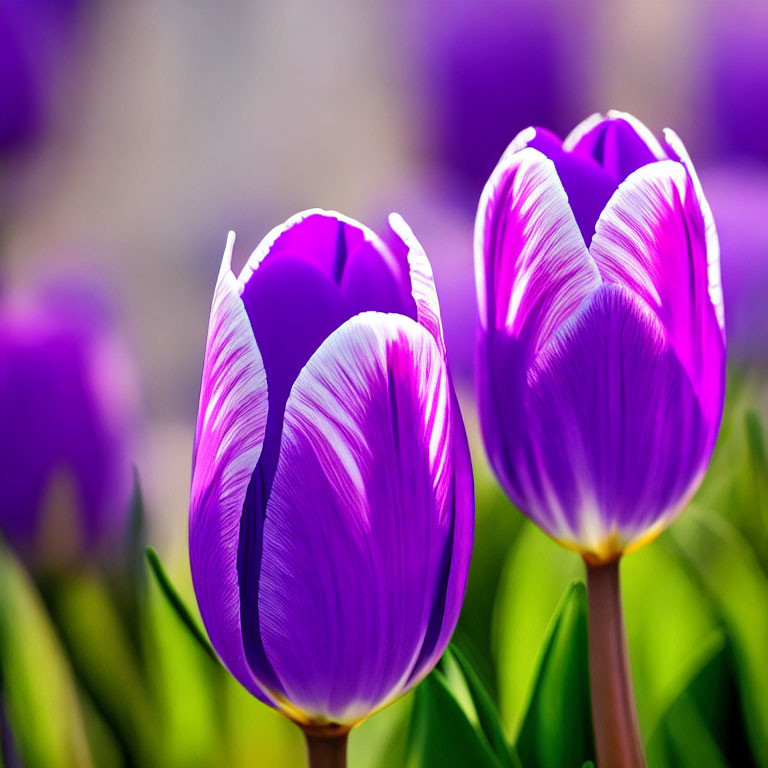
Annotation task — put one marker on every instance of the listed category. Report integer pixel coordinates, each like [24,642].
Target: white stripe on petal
[231,424]
[713,243]
[422,280]
[531,264]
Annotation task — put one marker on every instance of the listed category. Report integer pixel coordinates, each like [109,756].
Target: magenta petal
[619,142]
[532,267]
[587,185]
[610,438]
[231,424]
[364,503]
[652,238]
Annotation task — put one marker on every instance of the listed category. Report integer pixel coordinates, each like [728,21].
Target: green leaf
[497,523]
[104,661]
[668,618]
[381,741]
[487,715]
[442,735]
[172,596]
[39,695]
[732,578]
[703,726]
[755,505]
[535,576]
[135,541]
[557,728]
[588,764]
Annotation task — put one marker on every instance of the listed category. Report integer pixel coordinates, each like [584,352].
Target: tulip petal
[456,557]
[422,280]
[612,432]
[652,239]
[293,306]
[307,278]
[531,264]
[231,424]
[588,186]
[359,518]
[677,151]
[618,141]
[334,244]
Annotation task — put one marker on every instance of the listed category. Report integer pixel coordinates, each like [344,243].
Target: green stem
[617,732]
[326,747]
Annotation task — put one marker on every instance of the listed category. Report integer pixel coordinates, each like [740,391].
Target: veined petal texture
[533,268]
[652,239]
[601,363]
[363,510]
[231,424]
[332,508]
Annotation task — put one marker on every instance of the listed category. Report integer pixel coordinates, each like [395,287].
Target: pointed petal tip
[229,248]
[422,280]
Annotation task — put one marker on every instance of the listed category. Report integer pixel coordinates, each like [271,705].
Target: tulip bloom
[331,509]
[601,360]
[67,411]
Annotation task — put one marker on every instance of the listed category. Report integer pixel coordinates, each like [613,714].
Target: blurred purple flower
[34,35]
[67,415]
[601,361]
[738,78]
[739,199]
[492,67]
[331,510]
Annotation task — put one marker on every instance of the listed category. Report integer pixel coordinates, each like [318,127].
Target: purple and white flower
[601,355]
[332,510]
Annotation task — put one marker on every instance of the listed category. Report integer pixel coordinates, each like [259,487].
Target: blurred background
[134,135]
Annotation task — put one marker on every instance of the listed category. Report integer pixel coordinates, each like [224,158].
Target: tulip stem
[614,716]
[326,750]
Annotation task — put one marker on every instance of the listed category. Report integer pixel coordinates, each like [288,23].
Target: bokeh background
[134,135]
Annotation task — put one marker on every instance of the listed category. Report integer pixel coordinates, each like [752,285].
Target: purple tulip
[67,409]
[331,509]
[601,360]
[35,36]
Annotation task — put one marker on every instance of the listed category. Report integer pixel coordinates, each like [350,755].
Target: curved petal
[456,556]
[677,151]
[618,141]
[359,518]
[305,279]
[531,265]
[587,185]
[334,243]
[613,439]
[231,423]
[422,280]
[652,239]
